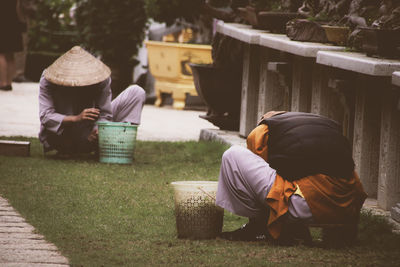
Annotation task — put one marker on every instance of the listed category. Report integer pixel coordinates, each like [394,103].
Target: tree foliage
[169,11]
[113,29]
[51,28]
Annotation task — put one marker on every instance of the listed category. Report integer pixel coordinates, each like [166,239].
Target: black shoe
[250,231]
[6,88]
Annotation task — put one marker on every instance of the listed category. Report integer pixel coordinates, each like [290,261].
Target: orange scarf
[331,200]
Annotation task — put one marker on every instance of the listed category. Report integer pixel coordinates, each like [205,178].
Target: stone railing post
[250,89]
[301,83]
[366,138]
[389,167]
[275,83]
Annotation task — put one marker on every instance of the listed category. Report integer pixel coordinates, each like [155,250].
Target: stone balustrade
[360,92]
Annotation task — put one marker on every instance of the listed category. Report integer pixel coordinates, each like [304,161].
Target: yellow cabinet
[169,64]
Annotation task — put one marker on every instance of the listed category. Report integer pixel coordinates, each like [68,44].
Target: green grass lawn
[112,215]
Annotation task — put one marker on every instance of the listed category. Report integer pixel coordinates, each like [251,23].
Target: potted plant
[336,34]
[324,23]
[221,91]
[113,31]
[305,30]
[220,83]
[275,21]
[381,42]
[277,14]
[270,15]
[382,37]
[333,21]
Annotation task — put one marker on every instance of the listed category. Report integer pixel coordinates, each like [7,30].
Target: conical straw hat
[77,68]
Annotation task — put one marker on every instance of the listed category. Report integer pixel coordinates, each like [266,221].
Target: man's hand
[93,135]
[89,114]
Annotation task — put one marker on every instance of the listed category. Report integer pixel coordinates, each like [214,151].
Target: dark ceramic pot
[337,35]
[221,91]
[275,22]
[381,42]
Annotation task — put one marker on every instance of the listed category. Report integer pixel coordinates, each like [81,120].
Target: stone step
[395,212]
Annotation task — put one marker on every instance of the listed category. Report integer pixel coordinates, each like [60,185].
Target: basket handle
[210,196]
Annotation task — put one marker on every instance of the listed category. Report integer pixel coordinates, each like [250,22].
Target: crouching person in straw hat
[74,93]
[297,170]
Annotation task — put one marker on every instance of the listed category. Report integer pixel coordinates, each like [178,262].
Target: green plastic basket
[116,142]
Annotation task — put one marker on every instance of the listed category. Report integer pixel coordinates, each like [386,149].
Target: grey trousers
[128,105]
[244,182]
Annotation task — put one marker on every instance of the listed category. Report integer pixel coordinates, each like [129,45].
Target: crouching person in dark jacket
[297,170]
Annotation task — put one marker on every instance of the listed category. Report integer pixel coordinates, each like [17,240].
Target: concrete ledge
[225,137]
[396,78]
[242,32]
[247,34]
[358,62]
[305,49]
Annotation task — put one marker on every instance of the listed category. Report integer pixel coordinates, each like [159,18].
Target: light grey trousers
[244,182]
[128,105]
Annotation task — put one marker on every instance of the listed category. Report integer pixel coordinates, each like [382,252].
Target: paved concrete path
[20,246]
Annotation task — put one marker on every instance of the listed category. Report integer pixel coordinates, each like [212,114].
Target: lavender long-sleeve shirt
[56,102]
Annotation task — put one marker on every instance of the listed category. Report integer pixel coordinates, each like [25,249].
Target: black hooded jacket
[302,144]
